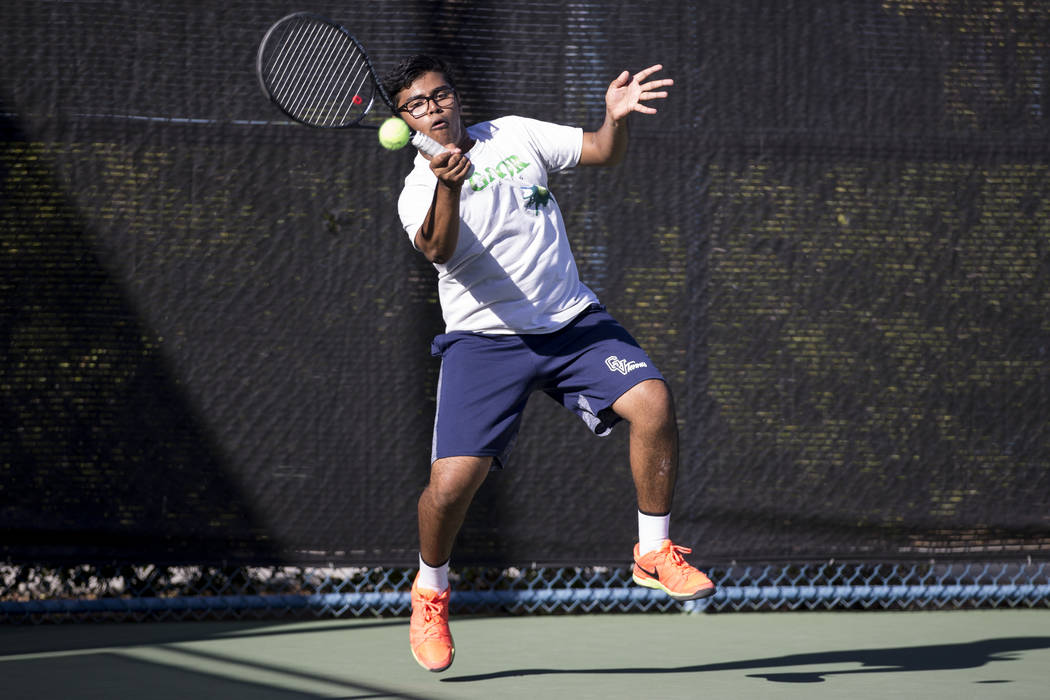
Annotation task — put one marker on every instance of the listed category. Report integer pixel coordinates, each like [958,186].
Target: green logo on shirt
[535,197]
[508,167]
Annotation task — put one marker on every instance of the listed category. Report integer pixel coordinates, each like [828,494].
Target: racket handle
[426,144]
[431,147]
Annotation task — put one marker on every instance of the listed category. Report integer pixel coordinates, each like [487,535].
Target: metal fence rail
[87,594]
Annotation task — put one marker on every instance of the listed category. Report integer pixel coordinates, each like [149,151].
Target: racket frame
[418,139]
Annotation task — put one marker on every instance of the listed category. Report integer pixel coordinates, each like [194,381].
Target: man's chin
[441,135]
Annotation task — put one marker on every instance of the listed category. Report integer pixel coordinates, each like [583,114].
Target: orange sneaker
[428,631]
[664,569]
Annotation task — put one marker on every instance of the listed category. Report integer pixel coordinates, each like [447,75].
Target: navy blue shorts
[486,380]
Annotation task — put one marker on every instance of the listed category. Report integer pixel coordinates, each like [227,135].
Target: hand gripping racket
[318,74]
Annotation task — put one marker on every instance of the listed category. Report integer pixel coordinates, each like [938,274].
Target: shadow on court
[86,637]
[103,661]
[935,657]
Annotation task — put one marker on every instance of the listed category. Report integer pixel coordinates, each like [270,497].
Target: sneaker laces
[432,617]
[675,552]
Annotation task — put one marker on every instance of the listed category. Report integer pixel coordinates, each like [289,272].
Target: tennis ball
[394,133]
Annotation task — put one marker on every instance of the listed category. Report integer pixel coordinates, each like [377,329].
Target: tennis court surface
[942,654]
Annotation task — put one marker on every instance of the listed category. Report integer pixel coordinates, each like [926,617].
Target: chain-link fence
[149,593]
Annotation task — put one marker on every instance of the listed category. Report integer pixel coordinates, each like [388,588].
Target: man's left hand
[628,93]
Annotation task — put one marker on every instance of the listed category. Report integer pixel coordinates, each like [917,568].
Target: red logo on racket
[357,99]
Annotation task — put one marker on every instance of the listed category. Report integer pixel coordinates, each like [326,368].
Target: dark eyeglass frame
[419,106]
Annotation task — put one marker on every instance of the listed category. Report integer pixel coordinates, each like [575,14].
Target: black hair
[411,68]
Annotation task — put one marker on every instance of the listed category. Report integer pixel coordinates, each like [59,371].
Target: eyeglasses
[419,106]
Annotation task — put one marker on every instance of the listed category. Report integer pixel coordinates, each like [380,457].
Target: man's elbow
[437,257]
[431,249]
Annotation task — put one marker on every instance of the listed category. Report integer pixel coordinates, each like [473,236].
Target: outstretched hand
[627,93]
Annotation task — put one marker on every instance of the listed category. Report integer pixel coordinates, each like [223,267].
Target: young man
[518,319]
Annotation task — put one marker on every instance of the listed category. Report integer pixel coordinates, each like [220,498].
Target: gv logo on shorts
[615,364]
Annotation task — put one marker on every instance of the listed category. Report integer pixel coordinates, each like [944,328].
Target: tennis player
[518,320]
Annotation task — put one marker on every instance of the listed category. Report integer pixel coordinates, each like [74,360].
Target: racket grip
[426,144]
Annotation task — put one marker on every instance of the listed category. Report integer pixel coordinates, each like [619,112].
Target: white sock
[434,578]
[652,531]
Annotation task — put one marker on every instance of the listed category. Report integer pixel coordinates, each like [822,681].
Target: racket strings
[316,73]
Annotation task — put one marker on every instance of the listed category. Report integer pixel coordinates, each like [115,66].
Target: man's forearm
[438,236]
[607,145]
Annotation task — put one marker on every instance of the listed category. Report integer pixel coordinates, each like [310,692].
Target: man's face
[441,122]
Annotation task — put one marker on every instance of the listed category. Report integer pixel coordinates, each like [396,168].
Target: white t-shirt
[513,270]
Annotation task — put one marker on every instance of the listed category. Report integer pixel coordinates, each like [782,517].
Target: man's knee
[648,402]
[455,478]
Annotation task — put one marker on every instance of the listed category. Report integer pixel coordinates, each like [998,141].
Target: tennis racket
[318,74]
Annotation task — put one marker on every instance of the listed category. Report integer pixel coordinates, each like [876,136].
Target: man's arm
[438,236]
[626,94]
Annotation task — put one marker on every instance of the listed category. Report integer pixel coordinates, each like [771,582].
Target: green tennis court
[956,654]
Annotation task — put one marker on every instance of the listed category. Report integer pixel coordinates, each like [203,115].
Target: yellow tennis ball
[394,133]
